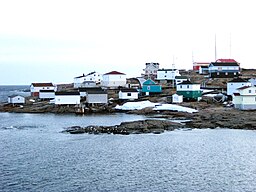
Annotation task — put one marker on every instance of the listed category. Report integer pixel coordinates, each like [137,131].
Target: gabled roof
[167,69]
[42,84]
[226,61]
[237,80]
[12,96]
[114,73]
[149,82]
[97,92]
[224,64]
[129,90]
[181,77]
[186,83]
[244,87]
[85,89]
[66,93]
[46,91]
[79,76]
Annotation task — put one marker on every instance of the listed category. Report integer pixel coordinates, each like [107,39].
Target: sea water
[36,156]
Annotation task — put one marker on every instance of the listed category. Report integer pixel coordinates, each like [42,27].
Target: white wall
[67,99]
[189,87]
[124,95]
[16,100]
[167,74]
[46,95]
[97,98]
[114,80]
[232,87]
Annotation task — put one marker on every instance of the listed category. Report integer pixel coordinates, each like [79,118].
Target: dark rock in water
[126,128]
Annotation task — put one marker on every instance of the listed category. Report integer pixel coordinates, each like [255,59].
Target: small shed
[129,94]
[67,98]
[177,98]
[16,99]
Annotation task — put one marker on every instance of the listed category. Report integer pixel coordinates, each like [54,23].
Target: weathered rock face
[126,128]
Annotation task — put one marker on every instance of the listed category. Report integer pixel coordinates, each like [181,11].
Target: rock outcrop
[126,128]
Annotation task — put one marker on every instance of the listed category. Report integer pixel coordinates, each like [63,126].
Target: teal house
[150,87]
[189,91]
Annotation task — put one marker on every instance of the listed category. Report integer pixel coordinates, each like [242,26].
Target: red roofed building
[36,87]
[226,61]
[114,79]
[198,65]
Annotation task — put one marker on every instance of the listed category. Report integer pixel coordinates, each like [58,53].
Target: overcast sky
[54,41]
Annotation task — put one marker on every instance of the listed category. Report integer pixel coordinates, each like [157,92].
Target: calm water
[9,90]
[35,156]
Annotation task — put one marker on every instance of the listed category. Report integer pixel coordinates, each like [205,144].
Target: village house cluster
[100,89]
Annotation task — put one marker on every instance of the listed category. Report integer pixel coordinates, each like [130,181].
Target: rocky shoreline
[126,128]
[208,116]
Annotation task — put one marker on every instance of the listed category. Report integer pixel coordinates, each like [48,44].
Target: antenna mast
[215,48]
[230,46]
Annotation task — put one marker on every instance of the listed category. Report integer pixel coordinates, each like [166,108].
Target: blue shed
[150,86]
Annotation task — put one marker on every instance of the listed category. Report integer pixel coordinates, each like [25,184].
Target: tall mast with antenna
[230,46]
[215,48]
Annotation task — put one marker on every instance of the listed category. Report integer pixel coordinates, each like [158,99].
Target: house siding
[97,98]
[114,80]
[152,88]
[233,86]
[190,94]
[67,99]
[16,100]
[128,95]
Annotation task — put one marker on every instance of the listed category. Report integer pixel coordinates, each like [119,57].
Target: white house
[167,74]
[90,80]
[114,79]
[16,99]
[130,94]
[36,87]
[189,90]
[245,99]
[67,98]
[224,69]
[177,98]
[151,70]
[236,83]
[46,94]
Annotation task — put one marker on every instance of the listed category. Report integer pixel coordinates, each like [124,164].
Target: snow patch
[156,106]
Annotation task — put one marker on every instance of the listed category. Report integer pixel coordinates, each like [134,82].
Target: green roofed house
[190,91]
[150,87]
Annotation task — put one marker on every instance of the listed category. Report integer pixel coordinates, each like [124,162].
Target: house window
[188,86]
[148,87]
[181,86]
[129,94]
[165,71]
[250,91]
